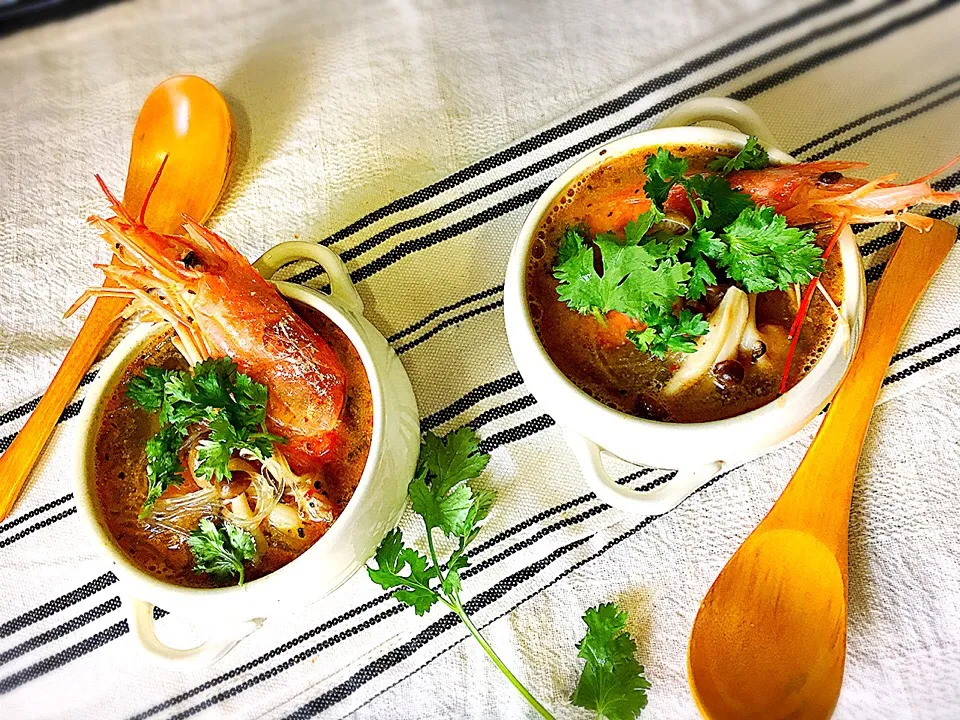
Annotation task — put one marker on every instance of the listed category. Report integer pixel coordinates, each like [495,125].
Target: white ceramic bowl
[233,612]
[697,450]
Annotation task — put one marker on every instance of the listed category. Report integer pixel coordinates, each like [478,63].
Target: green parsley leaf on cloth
[612,683]
[441,494]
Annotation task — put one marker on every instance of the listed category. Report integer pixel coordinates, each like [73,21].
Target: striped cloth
[364,128]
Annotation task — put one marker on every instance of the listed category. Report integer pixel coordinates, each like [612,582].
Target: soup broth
[618,374]
[121,482]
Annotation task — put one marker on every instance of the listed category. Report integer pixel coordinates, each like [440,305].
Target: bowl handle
[649,502]
[725,110]
[341,286]
[223,640]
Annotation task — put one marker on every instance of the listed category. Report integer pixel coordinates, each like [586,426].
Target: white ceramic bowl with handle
[231,613]
[698,451]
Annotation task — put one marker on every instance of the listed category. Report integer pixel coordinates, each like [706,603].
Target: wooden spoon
[770,636]
[186,120]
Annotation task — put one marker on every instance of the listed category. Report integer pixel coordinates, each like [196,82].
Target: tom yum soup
[236,440]
[192,485]
[690,284]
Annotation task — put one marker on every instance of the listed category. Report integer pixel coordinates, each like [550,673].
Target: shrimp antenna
[114,203]
[946,166]
[153,186]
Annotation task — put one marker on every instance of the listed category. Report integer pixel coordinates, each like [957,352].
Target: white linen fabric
[389,131]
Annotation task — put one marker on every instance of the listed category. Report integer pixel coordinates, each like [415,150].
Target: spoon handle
[18,459]
[828,470]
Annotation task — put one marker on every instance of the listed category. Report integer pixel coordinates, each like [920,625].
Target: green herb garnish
[762,253]
[221,550]
[753,156]
[649,275]
[612,683]
[442,496]
[229,403]
[638,280]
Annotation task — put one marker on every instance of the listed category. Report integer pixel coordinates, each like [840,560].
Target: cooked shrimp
[806,193]
[220,306]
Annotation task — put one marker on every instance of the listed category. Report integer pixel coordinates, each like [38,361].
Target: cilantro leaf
[719,204]
[413,588]
[441,495]
[612,683]
[221,550]
[666,332]
[163,465]
[704,244]
[569,247]
[663,170]
[447,511]
[633,279]
[147,390]
[452,459]
[763,253]
[753,156]
[230,404]
[635,230]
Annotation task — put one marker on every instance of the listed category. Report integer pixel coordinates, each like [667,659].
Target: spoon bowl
[186,120]
[186,127]
[806,658]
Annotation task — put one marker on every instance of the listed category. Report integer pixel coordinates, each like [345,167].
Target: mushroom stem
[752,344]
[722,342]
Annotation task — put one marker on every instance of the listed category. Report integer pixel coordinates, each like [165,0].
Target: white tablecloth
[366,125]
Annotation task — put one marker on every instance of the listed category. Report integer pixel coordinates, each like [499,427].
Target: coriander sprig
[612,683]
[753,156]
[229,403]
[221,550]
[441,494]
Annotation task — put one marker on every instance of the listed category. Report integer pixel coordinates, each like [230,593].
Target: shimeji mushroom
[722,342]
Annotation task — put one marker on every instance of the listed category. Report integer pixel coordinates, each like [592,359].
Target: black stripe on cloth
[872,274]
[29,406]
[63,657]
[927,344]
[54,606]
[407,247]
[502,411]
[789,73]
[853,139]
[482,295]
[20,519]
[518,432]
[864,119]
[481,392]
[449,322]
[922,365]
[585,118]
[71,410]
[66,628]
[46,522]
